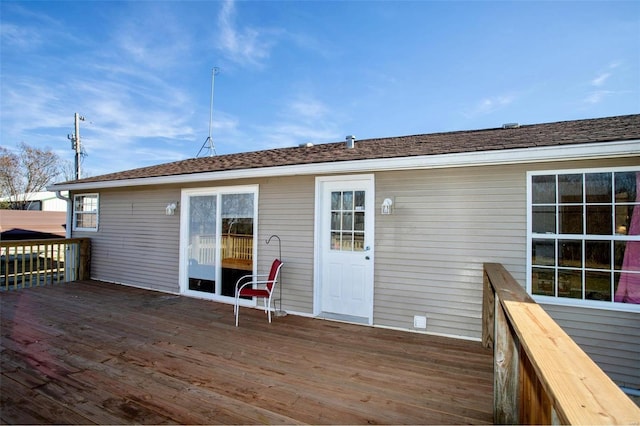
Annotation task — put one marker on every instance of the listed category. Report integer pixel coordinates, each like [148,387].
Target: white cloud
[597,96]
[307,108]
[19,37]
[603,76]
[489,105]
[303,119]
[30,105]
[120,119]
[245,46]
[601,79]
[300,119]
[149,45]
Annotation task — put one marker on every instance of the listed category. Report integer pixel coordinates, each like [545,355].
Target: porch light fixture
[386,206]
[171,208]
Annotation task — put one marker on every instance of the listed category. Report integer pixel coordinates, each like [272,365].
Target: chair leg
[236,309]
[268,308]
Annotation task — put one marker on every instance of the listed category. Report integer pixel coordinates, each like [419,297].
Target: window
[85,212]
[347,220]
[584,237]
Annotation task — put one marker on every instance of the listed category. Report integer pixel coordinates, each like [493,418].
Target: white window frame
[565,301]
[95,212]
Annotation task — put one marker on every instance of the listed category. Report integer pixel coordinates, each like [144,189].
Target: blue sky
[293,72]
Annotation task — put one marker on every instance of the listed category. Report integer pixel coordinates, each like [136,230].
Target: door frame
[218,191]
[318,231]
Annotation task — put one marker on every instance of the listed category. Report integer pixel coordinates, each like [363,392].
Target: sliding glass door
[217,234]
[202,244]
[236,239]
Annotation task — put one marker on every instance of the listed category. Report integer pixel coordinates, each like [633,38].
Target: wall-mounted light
[386,206]
[171,208]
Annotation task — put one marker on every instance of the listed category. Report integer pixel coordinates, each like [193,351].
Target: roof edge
[466,159]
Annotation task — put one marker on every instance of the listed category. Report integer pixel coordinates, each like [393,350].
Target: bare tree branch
[30,170]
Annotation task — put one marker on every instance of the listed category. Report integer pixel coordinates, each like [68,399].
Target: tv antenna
[208,143]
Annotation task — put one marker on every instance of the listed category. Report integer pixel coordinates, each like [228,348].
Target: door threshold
[344,318]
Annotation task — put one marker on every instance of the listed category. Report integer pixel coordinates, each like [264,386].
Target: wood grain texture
[558,382]
[91,352]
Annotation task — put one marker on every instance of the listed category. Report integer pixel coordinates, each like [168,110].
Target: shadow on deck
[92,352]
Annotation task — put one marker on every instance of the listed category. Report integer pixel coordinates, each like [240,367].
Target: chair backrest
[273,274]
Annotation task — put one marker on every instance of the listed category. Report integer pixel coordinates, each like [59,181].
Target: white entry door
[344,266]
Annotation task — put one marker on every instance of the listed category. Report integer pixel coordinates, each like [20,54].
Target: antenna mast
[75,143]
[208,143]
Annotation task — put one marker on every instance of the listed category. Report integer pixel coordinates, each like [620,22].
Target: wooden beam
[488,313]
[559,383]
[505,370]
[580,391]
[84,268]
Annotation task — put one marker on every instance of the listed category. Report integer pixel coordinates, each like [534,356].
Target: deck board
[92,352]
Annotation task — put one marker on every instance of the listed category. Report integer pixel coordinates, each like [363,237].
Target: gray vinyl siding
[446,223]
[287,209]
[136,243]
[430,251]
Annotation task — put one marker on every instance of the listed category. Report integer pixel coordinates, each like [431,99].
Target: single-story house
[394,232]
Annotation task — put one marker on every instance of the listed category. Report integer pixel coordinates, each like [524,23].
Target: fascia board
[466,159]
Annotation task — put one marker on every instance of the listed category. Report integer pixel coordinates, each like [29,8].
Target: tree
[29,170]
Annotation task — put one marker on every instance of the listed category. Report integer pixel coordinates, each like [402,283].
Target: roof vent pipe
[351,141]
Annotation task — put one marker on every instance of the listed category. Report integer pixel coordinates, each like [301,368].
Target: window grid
[347,220]
[85,213]
[580,226]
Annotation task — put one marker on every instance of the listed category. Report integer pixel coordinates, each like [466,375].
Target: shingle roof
[618,128]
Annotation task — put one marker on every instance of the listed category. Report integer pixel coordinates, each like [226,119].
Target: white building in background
[40,201]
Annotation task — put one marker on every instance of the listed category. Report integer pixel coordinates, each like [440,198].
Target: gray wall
[136,243]
[430,251]
[428,254]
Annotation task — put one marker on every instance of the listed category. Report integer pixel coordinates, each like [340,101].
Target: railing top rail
[19,243]
[580,391]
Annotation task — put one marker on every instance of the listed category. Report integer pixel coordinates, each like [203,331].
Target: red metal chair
[245,287]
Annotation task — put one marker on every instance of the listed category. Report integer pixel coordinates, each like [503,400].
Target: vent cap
[351,141]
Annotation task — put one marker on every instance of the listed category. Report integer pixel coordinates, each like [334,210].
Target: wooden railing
[39,262]
[234,246]
[541,376]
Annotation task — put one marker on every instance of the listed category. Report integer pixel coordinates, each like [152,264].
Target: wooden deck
[91,352]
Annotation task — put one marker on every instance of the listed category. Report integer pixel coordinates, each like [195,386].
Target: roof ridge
[605,129]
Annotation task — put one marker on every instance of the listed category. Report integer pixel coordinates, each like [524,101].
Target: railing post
[5,267]
[505,370]
[488,308]
[541,376]
[84,267]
